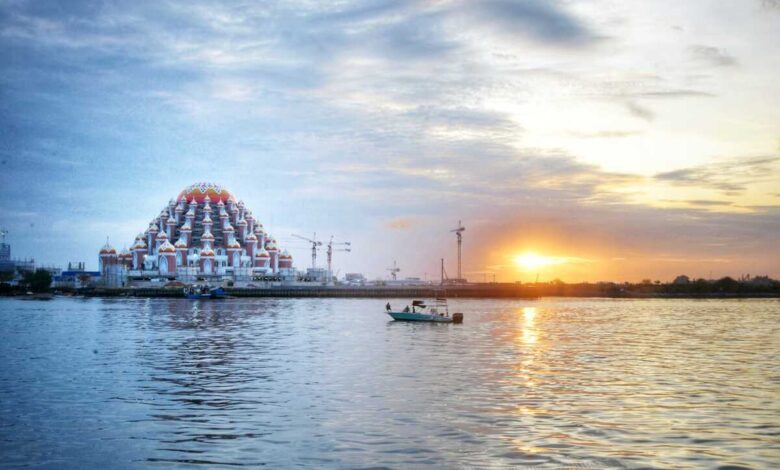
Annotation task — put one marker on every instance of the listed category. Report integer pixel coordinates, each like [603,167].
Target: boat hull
[409,316]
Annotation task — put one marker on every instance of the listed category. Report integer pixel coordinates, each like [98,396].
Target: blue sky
[630,139]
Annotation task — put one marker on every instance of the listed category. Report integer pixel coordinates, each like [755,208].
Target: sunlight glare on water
[333,383]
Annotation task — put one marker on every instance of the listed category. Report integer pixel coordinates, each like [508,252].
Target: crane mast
[459,232]
[314,245]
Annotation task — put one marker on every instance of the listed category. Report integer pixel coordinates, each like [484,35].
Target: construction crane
[330,251]
[394,271]
[459,232]
[314,245]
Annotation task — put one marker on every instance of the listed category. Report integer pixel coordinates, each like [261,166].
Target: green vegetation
[38,281]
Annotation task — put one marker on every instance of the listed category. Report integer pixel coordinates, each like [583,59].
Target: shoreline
[497,291]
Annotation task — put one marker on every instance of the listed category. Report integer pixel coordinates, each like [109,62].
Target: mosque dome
[166,247]
[199,191]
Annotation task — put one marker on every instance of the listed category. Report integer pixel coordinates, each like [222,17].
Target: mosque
[204,234]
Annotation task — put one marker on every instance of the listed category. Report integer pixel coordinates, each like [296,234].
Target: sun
[532,261]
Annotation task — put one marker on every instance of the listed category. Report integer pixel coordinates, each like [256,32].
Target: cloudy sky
[622,139]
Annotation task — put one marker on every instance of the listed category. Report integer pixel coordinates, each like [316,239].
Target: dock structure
[408,292]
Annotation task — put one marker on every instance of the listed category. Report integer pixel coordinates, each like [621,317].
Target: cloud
[640,111]
[732,176]
[541,20]
[713,56]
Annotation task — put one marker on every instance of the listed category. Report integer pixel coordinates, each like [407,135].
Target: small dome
[285,255]
[262,254]
[107,250]
[234,245]
[251,237]
[207,219]
[242,222]
[207,236]
[186,227]
[207,253]
[139,244]
[229,228]
[162,236]
[166,247]
[153,227]
[181,243]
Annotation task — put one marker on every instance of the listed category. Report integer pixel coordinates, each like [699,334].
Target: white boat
[438,311]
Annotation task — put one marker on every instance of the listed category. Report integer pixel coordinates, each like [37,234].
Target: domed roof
[262,254]
[162,236]
[207,236]
[166,247]
[234,245]
[153,227]
[242,222]
[139,244]
[251,237]
[285,255]
[181,243]
[199,191]
[207,253]
[229,228]
[107,250]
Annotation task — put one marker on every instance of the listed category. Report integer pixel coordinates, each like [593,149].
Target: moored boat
[437,312]
[204,293]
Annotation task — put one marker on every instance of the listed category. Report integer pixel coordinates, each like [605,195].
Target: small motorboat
[204,293]
[437,312]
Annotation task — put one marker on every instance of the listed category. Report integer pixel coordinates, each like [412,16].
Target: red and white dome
[166,247]
[199,192]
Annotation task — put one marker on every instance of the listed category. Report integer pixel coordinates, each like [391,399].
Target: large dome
[199,191]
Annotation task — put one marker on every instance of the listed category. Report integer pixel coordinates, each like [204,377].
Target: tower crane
[394,271]
[314,245]
[330,251]
[459,232]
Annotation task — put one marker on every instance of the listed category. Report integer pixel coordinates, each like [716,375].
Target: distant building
[216,238]
[76,276]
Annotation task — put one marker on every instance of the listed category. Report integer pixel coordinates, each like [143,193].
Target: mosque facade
[204,233]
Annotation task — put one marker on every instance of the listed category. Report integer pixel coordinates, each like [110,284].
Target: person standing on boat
[387,307]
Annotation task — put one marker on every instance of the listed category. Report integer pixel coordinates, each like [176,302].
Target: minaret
[223,215]
[207,261]
[207,240]
[234,253]
[166,261]
[207,223]
[230,235]
[151,235]
[107,258]
[250,222]
[139,251]
[162,237]
[262,258]
[180,209]
[164,222]
[181,246]
[273,250]
[242,229]
[233,212]
[171,224]
[186,232]
[260,233]
[285,260]
[251,245]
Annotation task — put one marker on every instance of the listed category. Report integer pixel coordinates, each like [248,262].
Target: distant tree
[726,284]
[6,276]
[38,280]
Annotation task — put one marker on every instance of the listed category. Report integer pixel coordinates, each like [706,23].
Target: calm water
[323,383]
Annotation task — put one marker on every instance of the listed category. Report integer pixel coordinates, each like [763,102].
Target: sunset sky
[613,140]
